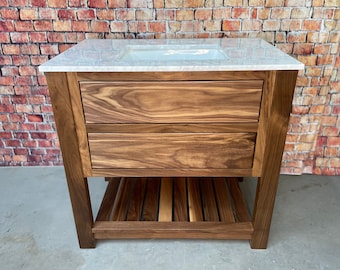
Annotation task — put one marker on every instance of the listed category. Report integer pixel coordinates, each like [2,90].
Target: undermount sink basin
[172,53]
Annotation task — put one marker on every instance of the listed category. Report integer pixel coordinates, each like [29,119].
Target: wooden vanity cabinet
[172,146]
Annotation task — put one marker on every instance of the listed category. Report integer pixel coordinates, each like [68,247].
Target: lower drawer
[171,150]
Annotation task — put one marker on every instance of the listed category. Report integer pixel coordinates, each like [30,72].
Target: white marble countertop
[132,55]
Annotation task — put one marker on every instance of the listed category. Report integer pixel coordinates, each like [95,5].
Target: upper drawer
[171,102]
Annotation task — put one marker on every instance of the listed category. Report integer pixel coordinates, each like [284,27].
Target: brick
[57,3]
[251,25]
[165,14]
[118,3]
[231,25]
[314,72]
[233,3]
[203,14]
[263,13]
[311,25]
[290,25]
[42,143]
[30,49]
[300,13]
[6,26]
[38,3]
[320,37]
[271,25]
[325,60]
[125,14]
[333,141]
[100,26]
[62,26]
[4,38]
[144,14]
[10,49]
[137,3]
[28,14]
[193,3]
[221,13]
[173,3]
[38,37]
[27,71]
[256,3]
[85,14]
[97,3]
[280,13]
[323,13]
[10,14]
[295,3]
[9,71]
[332,3]
[321,49]
[274,3]
[159,27]
[47,14]
[19,37]
[49,49]
[302,49]
[105,14]
[293,37]
[81,26]
[17,118]
[119,27]
[184,15]
[240,12]
[66,14]
[18,3]
[43,26]
[77,3]
[212,25]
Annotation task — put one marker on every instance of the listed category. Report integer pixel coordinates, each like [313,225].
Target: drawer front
[171,102]
[171,150]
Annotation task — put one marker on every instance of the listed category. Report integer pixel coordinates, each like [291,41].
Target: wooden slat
[223,200]
[108,200]
[137,199]
[240,206]
[208,200]
[171,102]
[166,76]
[151,200]
[194,200]
[180,199]
[172,230]
[172,172]
[123,195]
[246,127]
[165,200]
[172,150]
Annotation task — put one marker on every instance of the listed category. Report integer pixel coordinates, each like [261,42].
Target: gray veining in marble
[130,55]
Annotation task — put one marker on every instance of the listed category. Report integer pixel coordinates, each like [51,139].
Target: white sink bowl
[172,53]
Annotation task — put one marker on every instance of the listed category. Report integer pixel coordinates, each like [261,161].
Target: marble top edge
[129,55]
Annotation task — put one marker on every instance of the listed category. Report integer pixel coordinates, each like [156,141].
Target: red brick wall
[33,31]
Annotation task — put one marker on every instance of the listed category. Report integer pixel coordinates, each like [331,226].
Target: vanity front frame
[269,130]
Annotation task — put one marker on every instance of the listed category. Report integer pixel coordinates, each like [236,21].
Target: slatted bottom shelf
[201,208]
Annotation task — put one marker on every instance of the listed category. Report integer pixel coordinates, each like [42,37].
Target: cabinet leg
[263,211]
[82,211]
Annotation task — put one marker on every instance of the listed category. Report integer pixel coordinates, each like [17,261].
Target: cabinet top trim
[171,55]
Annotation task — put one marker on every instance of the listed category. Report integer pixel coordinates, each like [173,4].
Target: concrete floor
[37,230]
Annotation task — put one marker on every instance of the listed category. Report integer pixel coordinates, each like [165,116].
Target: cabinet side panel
[77,184]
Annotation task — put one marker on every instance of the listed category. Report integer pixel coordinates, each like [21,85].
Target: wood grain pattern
[77,184]
[150,209]
[171,102]
[279,94]
[108,199]
[137,200]
[171,172]
[246,127]
[165,200]
[223,201]
[79,121]
[180,199]
[208,200]
[172,76]
[240,206]
[172,230]
[120,206]
[171,150]
[194,200]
